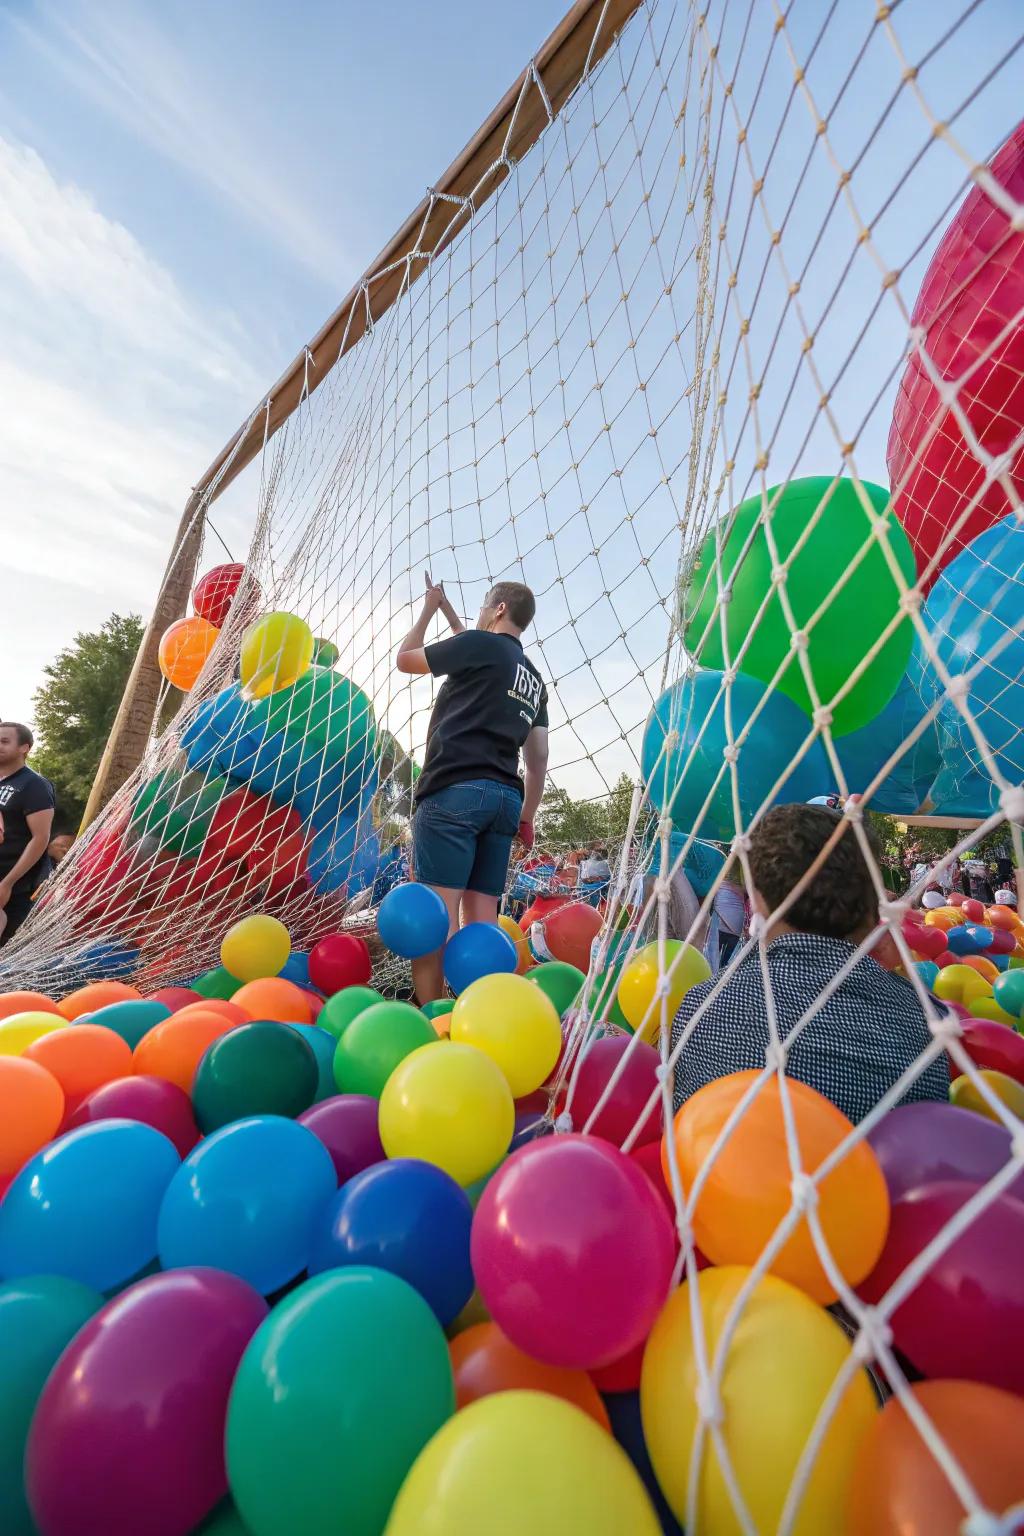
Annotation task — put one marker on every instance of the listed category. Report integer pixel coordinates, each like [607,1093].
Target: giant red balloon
[967,312]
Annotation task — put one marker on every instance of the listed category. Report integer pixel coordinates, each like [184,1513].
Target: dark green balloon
[339,1011]
[438,1006]
[225,1521]
[325,652]
[261,1068]
[375,1042]
[559,981]
[217,983]
[39,1316]
[335,1397]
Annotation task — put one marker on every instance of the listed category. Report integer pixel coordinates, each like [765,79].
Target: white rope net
[659,376]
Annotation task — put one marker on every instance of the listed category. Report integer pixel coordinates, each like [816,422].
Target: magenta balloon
[150,1100]
[572,1251]
[932,1143]
[629,1097]
[347,1126]
[128,1434]
[1003,942]
[965,1318]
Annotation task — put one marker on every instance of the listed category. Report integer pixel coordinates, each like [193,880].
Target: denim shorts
[462,836]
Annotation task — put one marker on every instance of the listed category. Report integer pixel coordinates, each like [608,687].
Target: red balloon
[151,1100]
[1003,942]
[340,960]
[213,594]
[929,942]
[539,909]
[992,1045]
[972,289]
[278,862]
[242,819]
[648,1157]
[572,1250]
[965,1317]
[946,957]
[974,911]
[622,1375]
[630,1095]
[176,997]
[569,932]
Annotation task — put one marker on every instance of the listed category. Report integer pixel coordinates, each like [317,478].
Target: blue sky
[187,191]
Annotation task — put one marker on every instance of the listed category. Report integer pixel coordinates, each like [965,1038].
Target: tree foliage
[567,823]
[75,708]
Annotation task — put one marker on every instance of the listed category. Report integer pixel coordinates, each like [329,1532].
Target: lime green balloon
[324,710]
[325,652]
[216,983]
[439,1005]
[602,998]
[856,615]
[39,1316]
[560,982]
[339,1011]
[378,1038]
[177,810]
[335,1397]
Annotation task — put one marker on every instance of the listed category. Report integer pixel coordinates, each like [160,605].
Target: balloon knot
[563,1122]
[1011,802]
[804,1192]
[873,1336]
[775,1056]
[709,1404]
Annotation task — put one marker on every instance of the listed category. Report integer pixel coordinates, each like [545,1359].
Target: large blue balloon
[412,921]
[86,1206]
[332,854]
[862,753]
[246,1200]
[679,778]
[409,1218]
[479,949]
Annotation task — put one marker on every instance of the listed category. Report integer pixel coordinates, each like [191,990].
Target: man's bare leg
[428,970]
[478,908]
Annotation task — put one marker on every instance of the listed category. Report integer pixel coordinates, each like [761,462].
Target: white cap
[933,899]
[1005,898]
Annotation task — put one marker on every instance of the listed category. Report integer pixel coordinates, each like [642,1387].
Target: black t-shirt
[21,795]
[490,701]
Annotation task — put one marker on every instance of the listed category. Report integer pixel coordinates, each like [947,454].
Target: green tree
[75,708]
[567,823]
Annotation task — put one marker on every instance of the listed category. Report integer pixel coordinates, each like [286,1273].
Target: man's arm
[411,658]
[535,759]
[39,824]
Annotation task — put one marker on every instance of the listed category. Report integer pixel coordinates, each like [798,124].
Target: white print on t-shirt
[526,690]
[7,792]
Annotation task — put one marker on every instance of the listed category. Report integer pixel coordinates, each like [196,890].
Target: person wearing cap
[1006,898]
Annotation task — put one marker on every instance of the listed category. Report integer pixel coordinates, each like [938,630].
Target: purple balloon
[929,1143]
[128,1434]
[150,1100]
[347,1126]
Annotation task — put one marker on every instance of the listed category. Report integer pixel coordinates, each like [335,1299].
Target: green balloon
[217,983]
[339,1011]
[263,1068]
[375,1042]
[857,613]
[325,652]
[177,810]
[323,710]
[319,1436]
[225,1521]
[559,981]
[39,1316]
[603,999]
[440,1005]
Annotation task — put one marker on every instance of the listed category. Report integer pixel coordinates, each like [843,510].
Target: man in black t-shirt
[470,800]
[26,816]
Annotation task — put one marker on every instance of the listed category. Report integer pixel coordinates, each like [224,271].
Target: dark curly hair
[841,897]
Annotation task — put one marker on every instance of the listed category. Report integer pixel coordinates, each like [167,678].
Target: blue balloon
[928,971]
[296,968]
[679,778]
[104,960]
[863,752]
[477,950]
[409,1218]
[968,939]
[86,1207]
[412,921]
[246,1200]
[323,1045]
[702,865]
[131,1019]
[332,854]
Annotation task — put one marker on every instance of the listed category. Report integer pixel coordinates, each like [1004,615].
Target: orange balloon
[272,998]
[173,1048]
[25,1002]
[221,1005]
[748,1190]
[184,647]
[1002,917]
[82,1059]
[96,995]
[485,1361]
[31,1110]
[943,917]
[982,966]
[899,1489]
[523,957]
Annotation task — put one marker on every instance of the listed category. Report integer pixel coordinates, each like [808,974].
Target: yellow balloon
[639,981]
[784,1356]
[255,947]
[523,957]
[960,984]
[964,1094]
[275,652]
[21,1029]
[522,1462]
[452,1108]
[988,1008]
[512,1022]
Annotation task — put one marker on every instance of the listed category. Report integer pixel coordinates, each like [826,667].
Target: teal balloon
[131,1019]
[323,1045]
[39,1316]
[702,865]
[261,1068]
[679,776]
[336,1395]
[863,752]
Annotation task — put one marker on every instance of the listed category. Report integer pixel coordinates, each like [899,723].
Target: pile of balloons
[227,1204]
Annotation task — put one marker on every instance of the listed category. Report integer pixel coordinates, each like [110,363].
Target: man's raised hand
[434,597]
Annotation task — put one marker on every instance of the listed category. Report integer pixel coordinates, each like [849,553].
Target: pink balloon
[965,1318]
[572,1250]
[150,1100]
[176,997]
[992,1045]
[628,1098]
[1003,941]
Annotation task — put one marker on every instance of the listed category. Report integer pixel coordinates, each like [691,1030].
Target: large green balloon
[336,1395]
[559,981]
[856,615]
[377,1039]
[339,1011]
[39,1316]
[263,1068]
[603,1000]
[324,710]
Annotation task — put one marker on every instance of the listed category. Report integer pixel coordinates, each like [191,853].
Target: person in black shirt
[470,801]
[26,813]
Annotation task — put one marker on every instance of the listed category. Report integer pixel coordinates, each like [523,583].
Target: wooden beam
[942,823]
